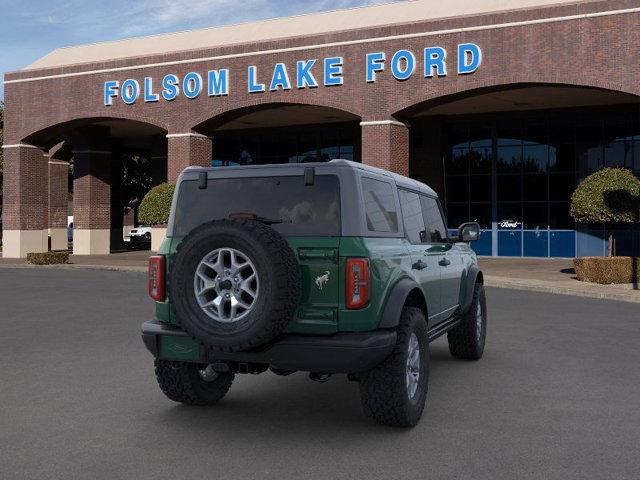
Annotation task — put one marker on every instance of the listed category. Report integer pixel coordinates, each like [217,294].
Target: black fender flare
[474,275]
[395,302]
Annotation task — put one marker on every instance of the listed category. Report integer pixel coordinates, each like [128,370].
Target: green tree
[610,196]
[155,206]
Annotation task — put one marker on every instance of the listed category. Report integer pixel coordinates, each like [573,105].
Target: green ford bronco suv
[324,268]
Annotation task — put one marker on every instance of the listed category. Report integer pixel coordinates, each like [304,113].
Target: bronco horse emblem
[322,280]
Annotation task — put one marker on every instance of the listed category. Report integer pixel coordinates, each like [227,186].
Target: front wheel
[191,383]
[394,393]
[466,340]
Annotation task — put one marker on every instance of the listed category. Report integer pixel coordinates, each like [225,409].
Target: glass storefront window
[481,213]
[480,159]
[538,158]
[287,145]
[510,159]
[562,157]
[535,188]
[459,161]
[535,158]
[618,154]
[480,188]
[535,216]
[510,187]
[559,217]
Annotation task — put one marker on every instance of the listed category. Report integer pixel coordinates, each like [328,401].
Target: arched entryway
[282,133]
[102,166]
[510,157]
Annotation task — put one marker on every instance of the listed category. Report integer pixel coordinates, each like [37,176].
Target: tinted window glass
[436,231]
[412,216]
[303,210]
[380,206]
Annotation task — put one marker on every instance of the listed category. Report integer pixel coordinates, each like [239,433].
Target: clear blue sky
[30,29]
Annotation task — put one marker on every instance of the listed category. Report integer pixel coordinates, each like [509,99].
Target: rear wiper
[255,218]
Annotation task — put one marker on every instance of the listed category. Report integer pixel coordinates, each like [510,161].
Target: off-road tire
[278,272]
[181,382]
[467,339]
[383,390]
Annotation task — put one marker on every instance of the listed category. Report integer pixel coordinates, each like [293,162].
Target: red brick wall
[25,189]
[185,151]
[599,52]
[58,188]
[92,190]
[386,146]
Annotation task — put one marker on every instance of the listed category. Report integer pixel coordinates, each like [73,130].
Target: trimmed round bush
[611,195]
[156,204]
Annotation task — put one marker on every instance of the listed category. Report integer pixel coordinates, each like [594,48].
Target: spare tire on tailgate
[234,284]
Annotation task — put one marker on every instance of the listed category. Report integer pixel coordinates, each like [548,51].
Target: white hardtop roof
[399,180]
[273,29]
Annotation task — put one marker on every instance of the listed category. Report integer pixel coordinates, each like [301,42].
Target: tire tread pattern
[180,382]
[383,389]
[462,339]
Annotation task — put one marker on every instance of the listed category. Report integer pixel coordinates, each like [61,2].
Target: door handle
[419,265]
[444,262]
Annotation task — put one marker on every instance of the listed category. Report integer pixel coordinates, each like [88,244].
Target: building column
[25,202]
[58,191]
[185,150]
[116,222]
[385,144]
[158,160]
[91,191]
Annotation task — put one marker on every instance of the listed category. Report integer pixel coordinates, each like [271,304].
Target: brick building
[500,105]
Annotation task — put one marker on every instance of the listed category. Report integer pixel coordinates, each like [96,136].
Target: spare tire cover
[234,284]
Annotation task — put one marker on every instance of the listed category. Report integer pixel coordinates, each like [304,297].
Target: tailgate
[320,294]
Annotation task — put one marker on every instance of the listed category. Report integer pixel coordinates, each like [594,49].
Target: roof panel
[286,27]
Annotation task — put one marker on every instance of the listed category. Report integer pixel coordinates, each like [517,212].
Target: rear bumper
[338,353]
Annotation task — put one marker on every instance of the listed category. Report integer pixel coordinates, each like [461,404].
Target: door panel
[428,277]
[452,270]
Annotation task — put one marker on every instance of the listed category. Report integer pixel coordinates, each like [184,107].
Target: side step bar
[442,328]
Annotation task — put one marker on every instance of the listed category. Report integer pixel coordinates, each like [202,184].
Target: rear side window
[436,231]
[412,216]
[380,206]
[297,209]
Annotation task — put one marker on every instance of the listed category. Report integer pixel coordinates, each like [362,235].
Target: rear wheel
[394,393]
[192,383]
[466,340]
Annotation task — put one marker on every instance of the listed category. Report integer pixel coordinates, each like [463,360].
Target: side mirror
[469,232]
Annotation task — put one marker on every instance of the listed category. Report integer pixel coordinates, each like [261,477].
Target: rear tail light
[358,285]
[156,278]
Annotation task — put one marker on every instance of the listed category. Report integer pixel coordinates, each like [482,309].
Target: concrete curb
[603,292]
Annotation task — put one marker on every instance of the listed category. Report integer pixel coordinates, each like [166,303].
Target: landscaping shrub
[607,270]
[611,195]
[48,258]
[156,204]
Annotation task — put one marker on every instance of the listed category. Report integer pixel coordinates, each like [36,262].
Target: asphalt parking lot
[557,395]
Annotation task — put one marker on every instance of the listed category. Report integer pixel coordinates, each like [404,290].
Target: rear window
[304,210]
[380,206]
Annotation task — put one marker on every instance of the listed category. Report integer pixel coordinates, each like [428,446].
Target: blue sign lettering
[469,58]
[304,77]
[402,66]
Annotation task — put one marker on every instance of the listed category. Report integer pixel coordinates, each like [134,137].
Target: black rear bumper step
[345,352]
